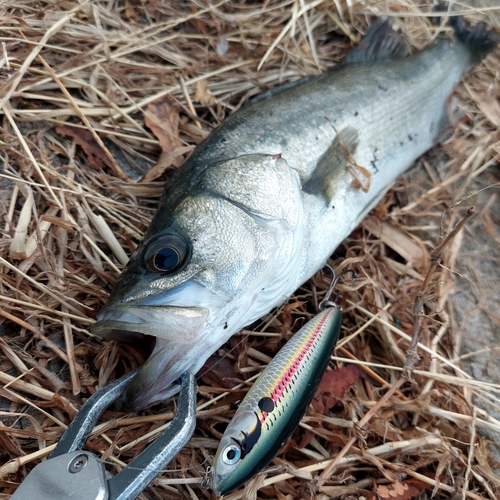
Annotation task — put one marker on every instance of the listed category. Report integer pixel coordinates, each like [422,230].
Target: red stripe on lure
[294,365]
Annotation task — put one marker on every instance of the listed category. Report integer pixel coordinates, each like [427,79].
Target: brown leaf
[415,486]
[402,491]
[166,160]
[219,371]
[333,386]
[286,316]
[162,117]
[401,242]
[383,491]
[482,453]
[203,95]
[68,226]
[130,11]
[94,153]
[306,438]
[488,105]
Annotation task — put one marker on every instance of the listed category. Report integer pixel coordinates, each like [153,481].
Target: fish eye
[231,454]
[167,254]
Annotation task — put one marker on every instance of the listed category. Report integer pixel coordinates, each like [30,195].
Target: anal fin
[333,166]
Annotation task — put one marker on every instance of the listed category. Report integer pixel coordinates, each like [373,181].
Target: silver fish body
[265,200]
[273,407]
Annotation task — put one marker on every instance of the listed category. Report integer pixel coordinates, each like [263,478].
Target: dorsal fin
[380,42]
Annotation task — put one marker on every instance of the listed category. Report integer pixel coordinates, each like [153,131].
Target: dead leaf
[94,153]
[203,95]
[402,243]
[57,221]
[333,386]
[286,316]
[482,453]
[166,160]
[306,438]
[130,11]
[402,491]
[219,371]
[488,105]
[162,117]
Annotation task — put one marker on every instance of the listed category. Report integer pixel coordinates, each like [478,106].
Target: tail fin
[479,40]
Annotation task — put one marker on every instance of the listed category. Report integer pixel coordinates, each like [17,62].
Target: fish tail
[478,40]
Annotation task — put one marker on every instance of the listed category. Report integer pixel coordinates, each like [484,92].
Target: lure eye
[231,454]
[167,254]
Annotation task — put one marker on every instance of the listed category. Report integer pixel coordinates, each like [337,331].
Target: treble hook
[326,302]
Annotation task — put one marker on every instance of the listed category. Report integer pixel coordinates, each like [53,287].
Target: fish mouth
[176,331]
[127,322]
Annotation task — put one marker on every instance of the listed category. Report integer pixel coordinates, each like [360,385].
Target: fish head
[169,292]
[158,300]
[234,463]
[193,280]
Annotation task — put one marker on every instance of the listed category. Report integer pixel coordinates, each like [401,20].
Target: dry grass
[70,220]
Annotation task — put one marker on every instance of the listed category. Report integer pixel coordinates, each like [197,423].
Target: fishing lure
[277,401]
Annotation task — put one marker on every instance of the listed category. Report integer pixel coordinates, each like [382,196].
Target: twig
[472,446]
[437,253]
[412,354]
[27,62]
[113,163]
[385,449]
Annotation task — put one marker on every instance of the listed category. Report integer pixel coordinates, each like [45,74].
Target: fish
[275,404]
[266,198]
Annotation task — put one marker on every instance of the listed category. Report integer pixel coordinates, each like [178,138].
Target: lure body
[276,403]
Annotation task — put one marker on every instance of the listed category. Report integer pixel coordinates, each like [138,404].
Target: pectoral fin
[332,167]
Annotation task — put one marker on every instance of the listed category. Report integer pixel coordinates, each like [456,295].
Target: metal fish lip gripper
[71,472]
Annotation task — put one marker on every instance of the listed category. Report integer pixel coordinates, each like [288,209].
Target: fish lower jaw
[129,323]
[113,330]
[175,337]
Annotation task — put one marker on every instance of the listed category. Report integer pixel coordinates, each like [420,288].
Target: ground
[99,102]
